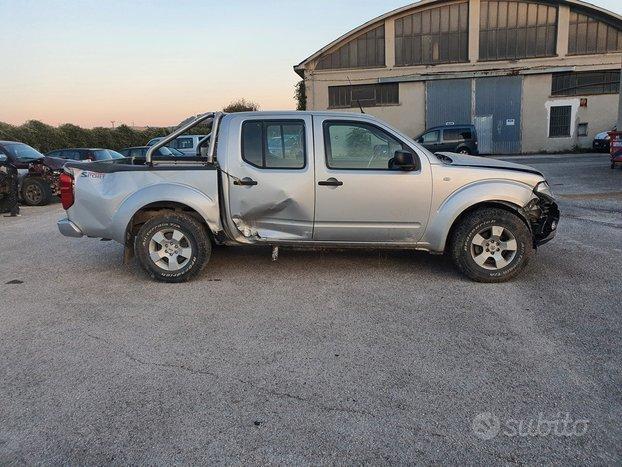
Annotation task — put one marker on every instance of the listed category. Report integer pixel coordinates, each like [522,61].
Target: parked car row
[39,173]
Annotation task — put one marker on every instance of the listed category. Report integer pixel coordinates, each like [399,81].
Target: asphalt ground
[367,357]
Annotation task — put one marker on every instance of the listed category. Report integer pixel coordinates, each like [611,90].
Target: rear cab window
[274,144]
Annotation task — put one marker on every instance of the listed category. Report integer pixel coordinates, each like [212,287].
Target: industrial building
[532,76]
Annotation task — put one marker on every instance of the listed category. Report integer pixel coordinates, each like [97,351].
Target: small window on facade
[368,95]
[516,29]
[365,51]
[274,144]
[582,129]
[577,83]
[588,35]
[560,117]
[434,35]
[358,146]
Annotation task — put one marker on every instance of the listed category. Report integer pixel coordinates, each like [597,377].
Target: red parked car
[615,148]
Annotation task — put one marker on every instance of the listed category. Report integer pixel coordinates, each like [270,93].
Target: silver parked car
[314,179]
[187,144]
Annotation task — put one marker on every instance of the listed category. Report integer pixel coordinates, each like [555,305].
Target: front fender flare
[506,192]
[162,193]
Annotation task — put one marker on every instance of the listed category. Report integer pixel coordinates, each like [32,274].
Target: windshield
[22,152]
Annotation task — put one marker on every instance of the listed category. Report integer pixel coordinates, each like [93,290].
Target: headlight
[544,188]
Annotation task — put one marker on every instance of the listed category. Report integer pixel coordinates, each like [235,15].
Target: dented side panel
[280,206]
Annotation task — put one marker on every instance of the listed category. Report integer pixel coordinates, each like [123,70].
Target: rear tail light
[66,190]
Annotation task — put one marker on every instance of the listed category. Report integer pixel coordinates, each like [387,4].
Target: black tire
[195,236]
[464,151]
[36,192]
[463,246]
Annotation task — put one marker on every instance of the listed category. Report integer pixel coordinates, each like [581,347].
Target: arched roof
[603,13]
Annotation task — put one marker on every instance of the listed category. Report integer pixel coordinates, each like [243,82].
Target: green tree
[300,95]
[241,105]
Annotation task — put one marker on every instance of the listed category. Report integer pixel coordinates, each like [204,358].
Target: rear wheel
[491,245]
[173,247]
[465,151]
[36,192]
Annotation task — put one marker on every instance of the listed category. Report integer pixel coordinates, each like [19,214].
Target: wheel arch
[498,204]
[145,204]
[508,195]
[154,209]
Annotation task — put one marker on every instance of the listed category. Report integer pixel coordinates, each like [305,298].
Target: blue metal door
[500,99]
[448,102]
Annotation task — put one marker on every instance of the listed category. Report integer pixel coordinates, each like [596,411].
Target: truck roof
[298,113]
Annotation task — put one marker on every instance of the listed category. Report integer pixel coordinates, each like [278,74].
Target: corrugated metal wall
[500,98]
[448,101]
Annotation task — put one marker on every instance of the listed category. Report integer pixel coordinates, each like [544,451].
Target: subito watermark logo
[487,426]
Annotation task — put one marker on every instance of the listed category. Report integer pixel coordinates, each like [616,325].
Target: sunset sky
[155,62]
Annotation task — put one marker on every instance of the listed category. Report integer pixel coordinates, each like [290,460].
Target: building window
[582,129]
[559,125]
[579,83]
[434,35]
[513,29]
[366,51]
[274,144]
[587,35]
[367,95]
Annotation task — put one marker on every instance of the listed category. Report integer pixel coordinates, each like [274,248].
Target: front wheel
[491,245]
[173,247]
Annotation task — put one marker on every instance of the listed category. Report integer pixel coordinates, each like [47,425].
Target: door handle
[332,181]
[246,181]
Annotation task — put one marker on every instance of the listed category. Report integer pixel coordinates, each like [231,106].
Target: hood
[53,163]
[460,160]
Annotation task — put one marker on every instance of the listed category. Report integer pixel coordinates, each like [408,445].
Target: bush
[46,138]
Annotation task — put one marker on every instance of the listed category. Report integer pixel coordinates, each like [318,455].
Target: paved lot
[322,357]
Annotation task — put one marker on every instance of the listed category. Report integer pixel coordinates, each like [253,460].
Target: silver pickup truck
[311,179]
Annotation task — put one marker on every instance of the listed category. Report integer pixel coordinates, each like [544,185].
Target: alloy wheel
[493,247]
[170,249]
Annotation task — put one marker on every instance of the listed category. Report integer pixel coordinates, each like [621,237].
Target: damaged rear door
[271,185]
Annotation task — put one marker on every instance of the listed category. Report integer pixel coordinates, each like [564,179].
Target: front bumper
[69,229]
[544,217]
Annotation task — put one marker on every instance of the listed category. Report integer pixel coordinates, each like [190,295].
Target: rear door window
[272,144]
[456,134]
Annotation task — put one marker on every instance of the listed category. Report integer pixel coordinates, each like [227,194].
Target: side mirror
[419,140]
[203,152]
[404,160]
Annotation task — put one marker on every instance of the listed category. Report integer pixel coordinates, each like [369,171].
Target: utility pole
[113,122]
